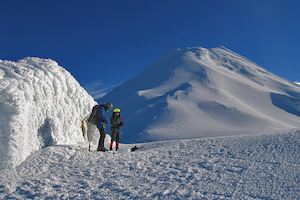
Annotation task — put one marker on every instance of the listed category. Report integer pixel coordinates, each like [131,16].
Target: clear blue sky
[103,43]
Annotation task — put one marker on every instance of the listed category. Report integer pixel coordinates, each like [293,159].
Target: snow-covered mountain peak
[199,92]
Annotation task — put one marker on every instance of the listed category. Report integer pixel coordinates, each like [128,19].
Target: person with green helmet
[115,128]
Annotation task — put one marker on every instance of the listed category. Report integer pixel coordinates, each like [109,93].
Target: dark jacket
[100,118]
[102,113]
[115,123]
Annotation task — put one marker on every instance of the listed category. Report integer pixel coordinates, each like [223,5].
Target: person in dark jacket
[115,128]
[99,118]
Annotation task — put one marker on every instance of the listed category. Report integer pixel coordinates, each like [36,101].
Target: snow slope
[264,166]
[198,92]
[41,104]
[191,93]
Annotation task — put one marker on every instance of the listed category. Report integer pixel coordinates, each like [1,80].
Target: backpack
[94,117]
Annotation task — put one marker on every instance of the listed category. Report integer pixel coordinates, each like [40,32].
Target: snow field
[237,167]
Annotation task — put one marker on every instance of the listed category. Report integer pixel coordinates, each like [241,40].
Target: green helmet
[117,110]
[109,106]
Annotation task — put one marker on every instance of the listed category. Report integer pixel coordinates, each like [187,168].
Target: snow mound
[198,92]
[40,104]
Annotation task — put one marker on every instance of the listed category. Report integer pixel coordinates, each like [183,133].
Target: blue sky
[105,43]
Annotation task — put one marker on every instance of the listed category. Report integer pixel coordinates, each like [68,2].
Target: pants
[102,137]
[115,137]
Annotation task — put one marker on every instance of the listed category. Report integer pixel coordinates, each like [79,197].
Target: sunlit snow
[41,104]
[216,126]
[198,92]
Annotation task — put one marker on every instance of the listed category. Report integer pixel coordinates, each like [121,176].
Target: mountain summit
[198,92]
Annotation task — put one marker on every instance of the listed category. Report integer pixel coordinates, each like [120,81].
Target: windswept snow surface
[187,94]
[41,104]
[198,92]
[264,166]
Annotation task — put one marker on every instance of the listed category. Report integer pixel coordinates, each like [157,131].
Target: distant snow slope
[40,104]
[198,92]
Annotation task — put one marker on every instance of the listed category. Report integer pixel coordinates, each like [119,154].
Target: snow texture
[198,92]
[263,166]
[215,126]
[41,104]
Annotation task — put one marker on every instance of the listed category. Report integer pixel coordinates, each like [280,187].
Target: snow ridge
[40,105]
[198,92]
